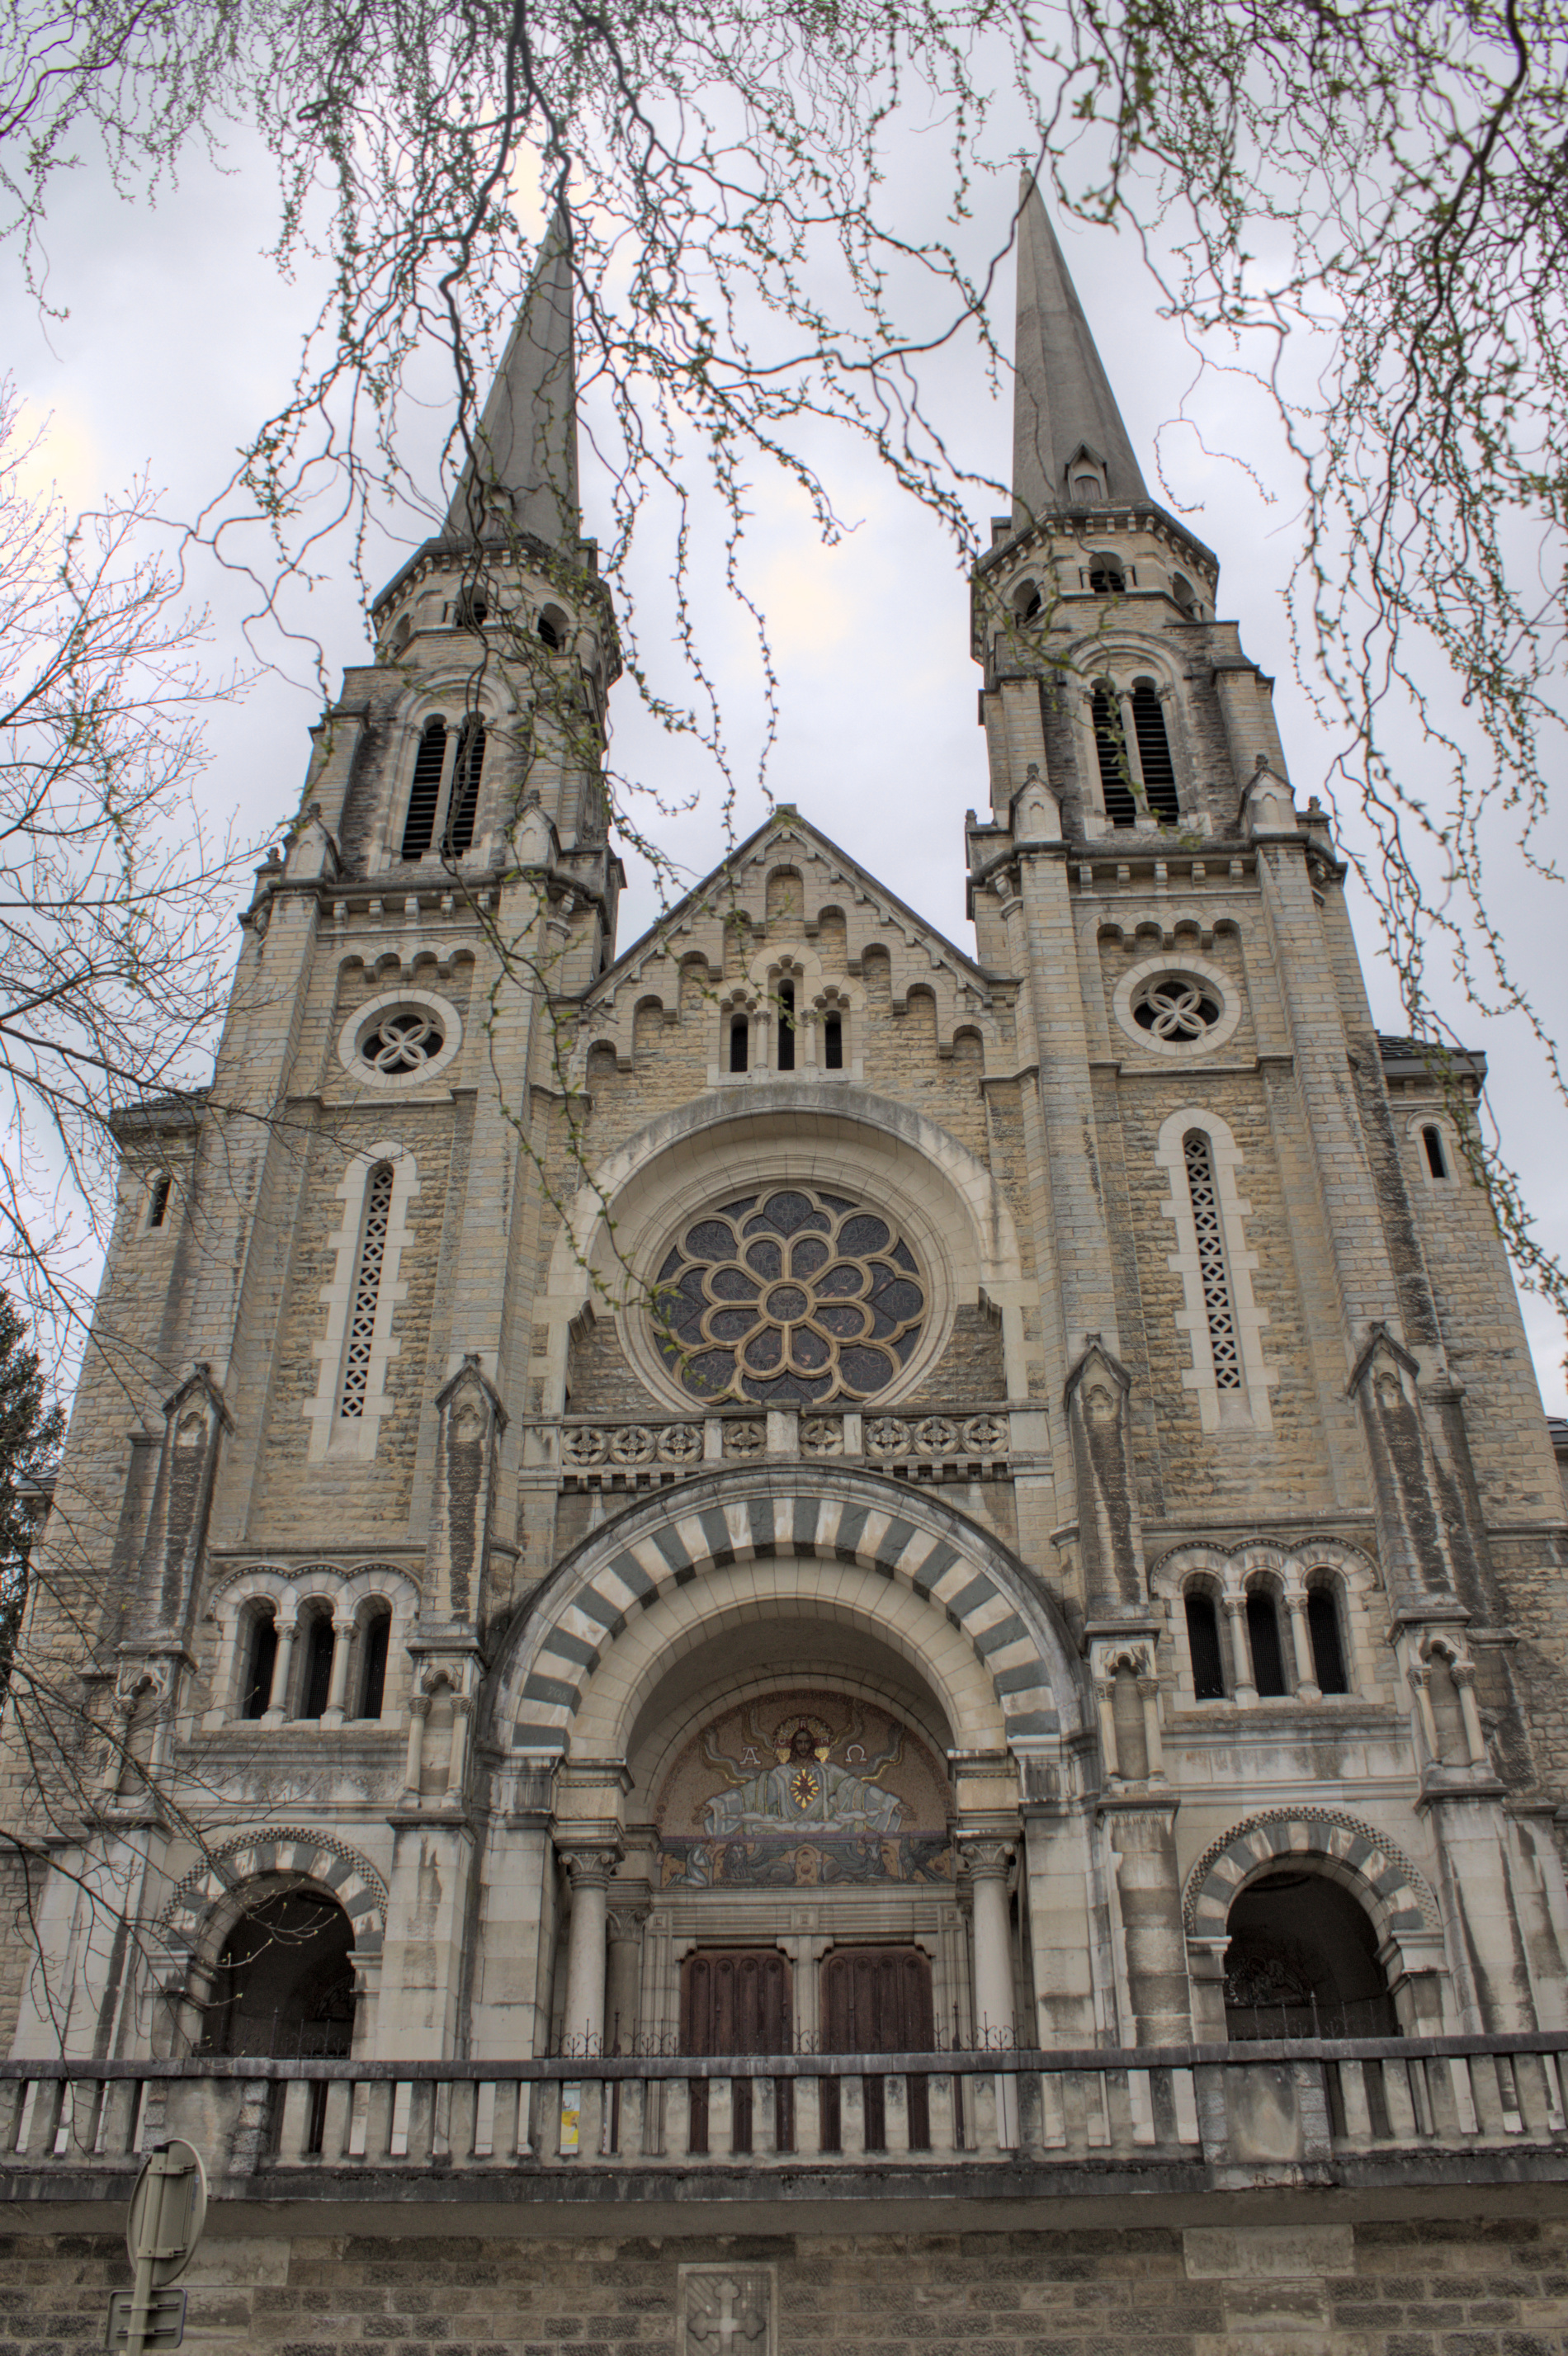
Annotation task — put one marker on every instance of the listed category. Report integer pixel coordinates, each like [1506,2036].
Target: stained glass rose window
[797,1295]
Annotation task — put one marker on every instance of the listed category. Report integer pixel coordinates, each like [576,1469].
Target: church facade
[896,1604]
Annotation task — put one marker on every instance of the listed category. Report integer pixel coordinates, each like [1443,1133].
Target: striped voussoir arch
[667,1542]
[1387,1877]
[303,1856]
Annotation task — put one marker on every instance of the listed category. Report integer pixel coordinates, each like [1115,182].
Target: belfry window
[1115,770]
[159,1198]
[1106,577]
[1218,1305]
[1431,1144]
[429,766]
[367,1292]
[1154,752]
[444,797]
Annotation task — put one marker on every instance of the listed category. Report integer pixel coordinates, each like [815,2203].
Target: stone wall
[1298,2286]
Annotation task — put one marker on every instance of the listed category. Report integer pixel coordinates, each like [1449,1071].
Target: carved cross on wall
[727,2314]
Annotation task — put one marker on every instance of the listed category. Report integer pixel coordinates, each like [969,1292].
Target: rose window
[1174,1008]
[796,1295]
[402,1043]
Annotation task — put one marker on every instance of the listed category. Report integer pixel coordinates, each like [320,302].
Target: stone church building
[795,1636]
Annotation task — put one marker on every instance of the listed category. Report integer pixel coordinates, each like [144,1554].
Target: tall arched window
[1115,771]
[1431,1144]
[316,1674]
[739,1043]
[833,1043]
[1327,1642]
[1204,1646]
[374,1638]
[260,1659]
[424,794]
[1263,1640]
[1219,1307]
[1154,752]
[367,1292]
[444,795]
[786,1026]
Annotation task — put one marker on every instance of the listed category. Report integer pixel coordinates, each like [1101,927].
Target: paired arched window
[1205,1649]
[260,1663]
[444,797]
[1134,753]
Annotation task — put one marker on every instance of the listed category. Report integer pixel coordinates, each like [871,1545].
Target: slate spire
[1062,401]
[527,441]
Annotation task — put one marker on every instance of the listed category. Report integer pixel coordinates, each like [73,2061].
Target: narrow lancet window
[739,1044]
[1154,752]
[1218,1305]
[1115,772]
[367,1292]
[424,794]
[259,1666]
[1437,1160]
[833,1043]
[158,1199]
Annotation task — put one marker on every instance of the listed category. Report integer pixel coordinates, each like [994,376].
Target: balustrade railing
[1259,2107]
[624,1455]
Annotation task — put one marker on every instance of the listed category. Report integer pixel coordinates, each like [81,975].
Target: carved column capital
[985,1858]
[590,1869]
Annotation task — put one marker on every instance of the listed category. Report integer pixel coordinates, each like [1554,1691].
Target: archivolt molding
[673,1539]
[1403,1898]
[296,1851]
[1232,1566]
[324,1578]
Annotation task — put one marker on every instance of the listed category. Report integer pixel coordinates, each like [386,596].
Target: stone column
[1306,1683]
[995,1999]
[277,1700]
[1464,1676]
[1154,1743]
[418,1712]
[336,1691]
[583,2023]
[986,1863]
[1235,1609]
[623,1992]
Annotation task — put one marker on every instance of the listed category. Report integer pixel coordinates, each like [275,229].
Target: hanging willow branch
[1383,186]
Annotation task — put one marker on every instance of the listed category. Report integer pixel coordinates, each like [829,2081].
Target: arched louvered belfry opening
[463,800]
[1154,752]
[424,794]
[1115,770]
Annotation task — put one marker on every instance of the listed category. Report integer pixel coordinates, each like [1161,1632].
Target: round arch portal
[928,1577]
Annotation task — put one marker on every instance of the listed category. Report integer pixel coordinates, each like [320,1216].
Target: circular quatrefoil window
[1177,1010]
[796,1295]
[400,1039]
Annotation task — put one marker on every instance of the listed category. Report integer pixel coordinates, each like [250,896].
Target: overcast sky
[181,337]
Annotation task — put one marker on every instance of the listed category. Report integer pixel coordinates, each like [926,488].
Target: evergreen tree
[30,1434]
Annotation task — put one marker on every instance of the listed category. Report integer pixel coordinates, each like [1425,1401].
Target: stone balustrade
[599,1454]
[1271,2111]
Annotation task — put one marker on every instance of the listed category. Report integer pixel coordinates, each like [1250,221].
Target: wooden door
[736,2001]
[877,2000]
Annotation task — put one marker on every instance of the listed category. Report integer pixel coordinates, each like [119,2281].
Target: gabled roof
[785,825]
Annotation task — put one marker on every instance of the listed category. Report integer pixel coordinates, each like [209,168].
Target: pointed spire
[1062,401]
[527,440]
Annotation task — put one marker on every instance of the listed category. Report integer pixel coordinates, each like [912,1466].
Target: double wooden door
[737,2002]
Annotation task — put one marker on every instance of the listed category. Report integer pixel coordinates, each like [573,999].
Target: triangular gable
[662,938]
